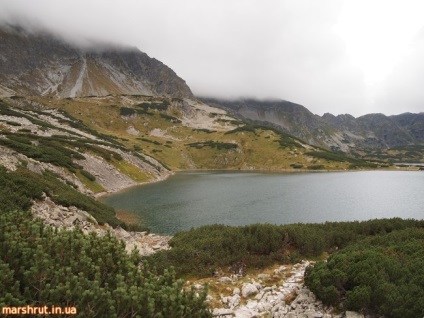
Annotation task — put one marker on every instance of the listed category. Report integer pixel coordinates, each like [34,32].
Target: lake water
[192,199]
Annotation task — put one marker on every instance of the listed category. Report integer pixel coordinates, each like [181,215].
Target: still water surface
[192,199]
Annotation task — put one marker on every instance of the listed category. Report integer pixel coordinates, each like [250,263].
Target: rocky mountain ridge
[338,133]
[43,64]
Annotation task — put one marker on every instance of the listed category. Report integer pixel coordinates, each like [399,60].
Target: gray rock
[222,312]
[249,289]
[264,276]
[251,304]
[353,314]
[280,270]
[225,279]
[233,301]
[313,314]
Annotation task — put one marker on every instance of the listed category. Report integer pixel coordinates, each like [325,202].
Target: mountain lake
[193,199]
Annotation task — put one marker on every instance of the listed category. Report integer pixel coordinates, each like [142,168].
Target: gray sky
[338,56]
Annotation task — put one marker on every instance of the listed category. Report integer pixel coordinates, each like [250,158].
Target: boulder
[248,290]
[225,279]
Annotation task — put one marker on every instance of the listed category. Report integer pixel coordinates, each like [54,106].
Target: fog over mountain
[354,57]
[39,63]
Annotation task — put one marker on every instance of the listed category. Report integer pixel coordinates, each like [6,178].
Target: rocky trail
[278,294]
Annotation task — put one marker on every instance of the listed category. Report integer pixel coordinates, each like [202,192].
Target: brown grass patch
[127,217]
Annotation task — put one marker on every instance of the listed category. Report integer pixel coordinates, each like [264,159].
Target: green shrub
[150,141]
[212,247]
[213,144]
[316,167]
[296,165]
[45,151]
[41,266]
[383,274]
[125,111]
[171,118]
[331,156]
[88,175]
[13,123]
[245,128]
[156,106]
[22,186]
[17,191]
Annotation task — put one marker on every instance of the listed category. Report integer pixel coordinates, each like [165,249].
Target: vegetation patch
[287,141]
[6,110]
[316,167]
[230,121]
[382,275]
[203,130]
[331,156]
[130,170]
[41,266]
[19,188]
[44,150]
[172,119]
[245,128]
[213,247]
[78,124]
[163,106]
[213,144]
[13,123]
[296,166]
[90,183]
[125,111]
[150,141]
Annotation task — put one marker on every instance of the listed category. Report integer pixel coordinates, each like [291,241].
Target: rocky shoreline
[68,218]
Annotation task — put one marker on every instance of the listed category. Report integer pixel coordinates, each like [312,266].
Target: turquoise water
[192,199]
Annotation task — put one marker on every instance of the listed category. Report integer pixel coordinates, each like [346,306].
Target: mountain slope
[42,64]
[340,133]
[122,92]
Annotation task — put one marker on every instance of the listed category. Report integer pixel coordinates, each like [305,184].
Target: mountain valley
[81,121]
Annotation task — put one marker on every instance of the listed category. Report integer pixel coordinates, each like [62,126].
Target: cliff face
[42,64]
[342,132]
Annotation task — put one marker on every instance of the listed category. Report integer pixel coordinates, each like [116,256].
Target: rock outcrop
[288,299]
[40,63]
[67,218]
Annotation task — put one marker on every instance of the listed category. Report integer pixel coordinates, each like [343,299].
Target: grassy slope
[256,149]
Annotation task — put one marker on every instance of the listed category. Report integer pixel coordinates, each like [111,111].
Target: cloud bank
[286,49]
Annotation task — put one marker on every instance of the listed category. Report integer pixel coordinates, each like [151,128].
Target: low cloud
[402,91]
[265,49]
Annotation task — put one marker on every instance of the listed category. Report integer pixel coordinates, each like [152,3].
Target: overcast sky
[352,56]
